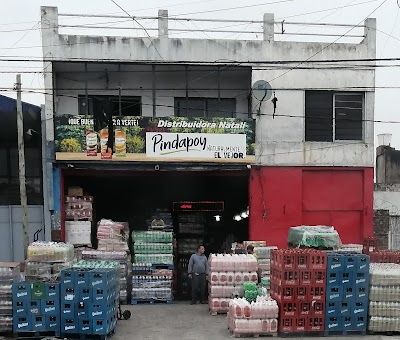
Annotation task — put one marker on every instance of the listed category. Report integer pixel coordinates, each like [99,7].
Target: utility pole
[21,163]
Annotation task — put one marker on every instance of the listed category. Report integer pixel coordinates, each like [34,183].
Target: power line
[225,111]
[330,44]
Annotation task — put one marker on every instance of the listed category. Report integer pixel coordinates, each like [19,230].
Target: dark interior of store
[136,197]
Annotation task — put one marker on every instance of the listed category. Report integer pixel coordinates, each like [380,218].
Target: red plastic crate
[288,260]
[286,324]
[319,277]
[317,293]
[316,324]
[287,293]
[318,308]
[317,260]
[302,293]
[285,277]
[302,260]
[305,277]
[300,324]
[288,309]
[305,308]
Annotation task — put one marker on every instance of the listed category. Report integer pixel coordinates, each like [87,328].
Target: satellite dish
[262,90]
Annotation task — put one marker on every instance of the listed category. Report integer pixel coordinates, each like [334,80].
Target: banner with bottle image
[155,139]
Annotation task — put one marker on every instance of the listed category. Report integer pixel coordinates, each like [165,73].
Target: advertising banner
[155,139]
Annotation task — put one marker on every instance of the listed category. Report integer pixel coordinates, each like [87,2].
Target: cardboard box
[75,191]
[78,232]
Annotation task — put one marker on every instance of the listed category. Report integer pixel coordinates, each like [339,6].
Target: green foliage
[135,144]
[71,131]
[251,149]
[70,145]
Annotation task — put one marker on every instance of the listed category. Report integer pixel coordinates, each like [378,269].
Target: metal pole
[21,163]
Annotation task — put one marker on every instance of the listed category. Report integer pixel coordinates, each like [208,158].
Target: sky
[20,34]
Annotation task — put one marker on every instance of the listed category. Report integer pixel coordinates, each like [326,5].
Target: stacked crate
[9,274]
[347,293]
[298,281]
[89,301]
[153,249]
[36,307]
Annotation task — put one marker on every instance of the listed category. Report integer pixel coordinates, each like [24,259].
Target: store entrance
[141,197]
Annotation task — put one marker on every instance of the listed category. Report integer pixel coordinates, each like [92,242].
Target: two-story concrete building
[185,127]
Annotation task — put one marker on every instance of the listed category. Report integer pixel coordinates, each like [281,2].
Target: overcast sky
[20,34]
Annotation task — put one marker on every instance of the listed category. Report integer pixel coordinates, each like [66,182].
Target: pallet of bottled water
[384,304]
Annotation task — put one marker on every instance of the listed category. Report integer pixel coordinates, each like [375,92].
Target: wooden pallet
[389,333]
[301,334]
[346,333]
[80,336]
[35,335]
[150,301]
[252,335]
[217,313]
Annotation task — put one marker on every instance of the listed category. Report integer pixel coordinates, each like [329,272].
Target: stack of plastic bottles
[227,275]
[256,318]
[125,266]
[46,260]
[263,255]
[112,236]
[9,274]
[384,304]
[152,250]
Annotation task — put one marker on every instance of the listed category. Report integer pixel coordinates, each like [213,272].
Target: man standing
[198,271]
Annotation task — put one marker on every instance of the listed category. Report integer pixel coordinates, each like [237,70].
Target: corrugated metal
[394,228]
[11,241]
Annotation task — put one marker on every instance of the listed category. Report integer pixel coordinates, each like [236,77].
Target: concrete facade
[280,139]
[387,165]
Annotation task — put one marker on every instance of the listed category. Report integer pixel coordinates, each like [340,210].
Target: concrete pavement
[182,321]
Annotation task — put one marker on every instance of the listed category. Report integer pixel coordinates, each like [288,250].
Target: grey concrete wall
[387,165]
[280,140]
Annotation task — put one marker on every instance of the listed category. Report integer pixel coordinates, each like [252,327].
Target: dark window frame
[124,100]
[331,131]
[206,106]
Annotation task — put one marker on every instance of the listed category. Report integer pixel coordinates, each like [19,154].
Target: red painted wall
[282,197]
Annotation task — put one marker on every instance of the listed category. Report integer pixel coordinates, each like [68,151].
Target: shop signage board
[156,139]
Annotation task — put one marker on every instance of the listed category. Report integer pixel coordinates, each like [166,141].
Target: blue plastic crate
[360,322]
[22,323]
[85,295]
[349,293]
[333,323]
[100,310]
[345,308]
[331,308]
[34,307]
[347,323]
[38,323]
[361,293]
[69,325]
[50,307]
[102,326]
[361,279]
[350,262]
[363,262]
[333,278]
[22,291]
[335,263]
[53,323]
[82,278]
[52,291]
[67,277]
[69,294]
[359,307]
[67,309]
[334,294]
[82,310]
[346,279]
[20,307]
[85,326]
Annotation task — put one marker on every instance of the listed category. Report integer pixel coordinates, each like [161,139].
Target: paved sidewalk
[182,321]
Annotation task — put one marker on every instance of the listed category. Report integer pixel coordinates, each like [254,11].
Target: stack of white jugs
[384,298]
[256,318]
[227,275]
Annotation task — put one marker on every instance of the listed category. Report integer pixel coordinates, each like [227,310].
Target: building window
[205,107]
[334,116]
[130,106]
